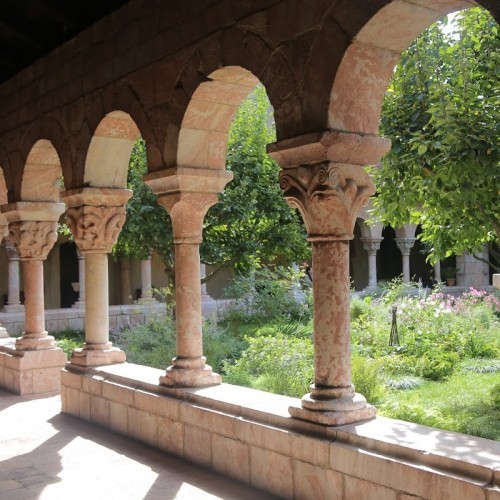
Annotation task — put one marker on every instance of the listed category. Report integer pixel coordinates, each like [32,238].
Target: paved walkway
[48,455]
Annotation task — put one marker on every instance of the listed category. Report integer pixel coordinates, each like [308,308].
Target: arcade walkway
[48,455]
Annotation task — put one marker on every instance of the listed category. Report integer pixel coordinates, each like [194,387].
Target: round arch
[108,155]
[42,174]
[204,129]
[368,63]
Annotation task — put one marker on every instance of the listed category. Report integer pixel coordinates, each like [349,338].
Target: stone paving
[48,455]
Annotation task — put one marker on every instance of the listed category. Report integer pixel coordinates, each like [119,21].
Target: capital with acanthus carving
[329,197]
[95,229]
[371,245]
[405,245]
[33,240]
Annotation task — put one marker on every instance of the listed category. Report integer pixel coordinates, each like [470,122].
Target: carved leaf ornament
[33,240]
[328,202]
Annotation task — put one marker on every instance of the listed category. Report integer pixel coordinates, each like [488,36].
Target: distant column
[203,273]
[405,245]
[437,271]
[146,286]
[13,301]
[80,303]
[371,245]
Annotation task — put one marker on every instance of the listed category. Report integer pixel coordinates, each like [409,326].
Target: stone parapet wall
[249,435]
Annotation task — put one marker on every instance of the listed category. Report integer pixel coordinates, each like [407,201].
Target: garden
[417,355]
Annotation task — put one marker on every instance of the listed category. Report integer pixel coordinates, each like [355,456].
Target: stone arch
[116,114]
[3,185]
[44,144]
[406,231]
[108,155]
[204,129]
[368,63]
[42,174]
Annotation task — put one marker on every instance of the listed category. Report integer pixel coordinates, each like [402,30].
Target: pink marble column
[95,217]
[33,241]
[325,180]
[187,194]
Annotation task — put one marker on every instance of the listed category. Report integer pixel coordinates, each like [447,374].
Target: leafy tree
[252,224]
[147,227]
[442,112]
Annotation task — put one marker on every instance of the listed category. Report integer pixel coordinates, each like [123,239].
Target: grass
[463,403]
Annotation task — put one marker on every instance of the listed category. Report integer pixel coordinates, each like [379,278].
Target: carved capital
[371,245]
[405,244]
[95,229]
[187,193]
[329,197]
[33,240]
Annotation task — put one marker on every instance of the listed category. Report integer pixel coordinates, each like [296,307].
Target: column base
[147,301]
[3,333]
[35,342]
[333,406]
[13,308]
[31,372]
[190,372]
[90,356]
[79,304]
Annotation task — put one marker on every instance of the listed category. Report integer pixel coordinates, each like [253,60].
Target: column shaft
[406,268]
[14,283]
[331,314]
[146,279]
[372,269]
[96,301]
[81,278]
[188,301]
[34,300]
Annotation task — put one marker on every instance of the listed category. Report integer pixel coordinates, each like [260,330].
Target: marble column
[187,194]
[405,245]
[325,180]
[372,245]
[14,289]
[125,283]
[146,286]
[437,271]
[80,303]
[203,273]
[95,217]
[4,232]
[33,239]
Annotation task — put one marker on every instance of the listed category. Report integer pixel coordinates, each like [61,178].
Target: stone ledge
[261,420]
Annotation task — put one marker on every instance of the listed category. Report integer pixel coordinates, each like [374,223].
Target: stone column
[125,284]
[437,271]
[95,217]
[146,287]
[203,273]
[405,245]
[4,232]
[326,181]
[33,232]
[187,194]
[80,303]
[13,301]
[372,245]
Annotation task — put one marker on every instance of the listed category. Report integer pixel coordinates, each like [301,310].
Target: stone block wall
[248,435]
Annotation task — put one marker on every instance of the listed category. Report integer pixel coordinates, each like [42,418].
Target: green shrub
[280,364]
[152,344]
[495,397]
[437,365]
[367,378]
[69,340]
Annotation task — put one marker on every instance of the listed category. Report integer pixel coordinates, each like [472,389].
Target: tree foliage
[442,113]
[252,224]
[147,226]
